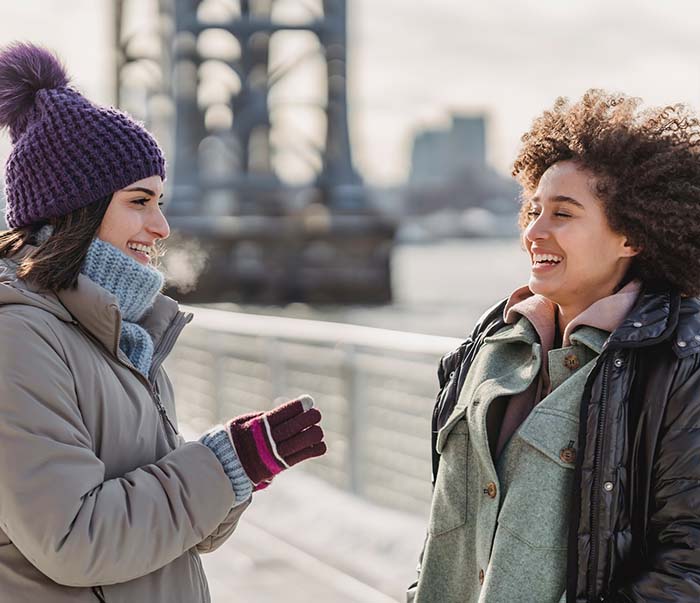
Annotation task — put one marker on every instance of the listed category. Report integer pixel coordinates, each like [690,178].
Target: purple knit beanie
[68,152]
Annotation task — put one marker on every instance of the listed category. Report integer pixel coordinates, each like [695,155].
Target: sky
[413,63]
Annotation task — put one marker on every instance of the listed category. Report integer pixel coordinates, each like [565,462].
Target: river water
[439,289]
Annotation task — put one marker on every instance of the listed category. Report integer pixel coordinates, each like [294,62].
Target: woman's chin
[548,290]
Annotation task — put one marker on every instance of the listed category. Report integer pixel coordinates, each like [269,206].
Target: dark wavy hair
[56,262]
[647,169]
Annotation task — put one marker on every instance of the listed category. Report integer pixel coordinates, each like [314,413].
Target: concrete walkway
[302,540]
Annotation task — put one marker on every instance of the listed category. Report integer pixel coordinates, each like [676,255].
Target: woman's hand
[270,442]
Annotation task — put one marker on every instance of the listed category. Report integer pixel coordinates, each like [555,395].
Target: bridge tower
[251,97]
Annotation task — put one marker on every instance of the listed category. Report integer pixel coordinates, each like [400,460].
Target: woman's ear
[629,250]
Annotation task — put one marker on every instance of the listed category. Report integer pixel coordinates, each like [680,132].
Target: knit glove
[270,442]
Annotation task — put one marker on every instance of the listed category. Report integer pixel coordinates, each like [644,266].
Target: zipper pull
[161,409]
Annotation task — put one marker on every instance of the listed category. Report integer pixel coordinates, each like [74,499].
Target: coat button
[491,490]
[481,576]
[608,486]
[568,454]
[682,344]
[618,362]
[637,324]
[571,362]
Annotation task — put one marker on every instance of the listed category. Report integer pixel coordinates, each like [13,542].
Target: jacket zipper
[166,344]
[161,409]
[152,389]
[167,341]
[595,503]
[99,593]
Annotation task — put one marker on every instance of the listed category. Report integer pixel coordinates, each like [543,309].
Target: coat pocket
[449,505]
[540,465]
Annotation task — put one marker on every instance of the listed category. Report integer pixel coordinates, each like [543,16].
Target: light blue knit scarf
[135,287]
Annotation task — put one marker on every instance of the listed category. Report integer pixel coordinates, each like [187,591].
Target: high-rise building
[440,152]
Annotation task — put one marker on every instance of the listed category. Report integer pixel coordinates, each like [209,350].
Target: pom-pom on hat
[67,152]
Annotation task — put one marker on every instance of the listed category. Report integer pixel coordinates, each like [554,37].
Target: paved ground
[258,567]
[302,540]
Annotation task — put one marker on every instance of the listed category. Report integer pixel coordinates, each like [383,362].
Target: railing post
[218,383]
[275,361]
[356,419]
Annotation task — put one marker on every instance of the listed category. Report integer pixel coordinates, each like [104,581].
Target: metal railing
[375,387]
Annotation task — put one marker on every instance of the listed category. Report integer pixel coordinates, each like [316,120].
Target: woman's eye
[533,213]
[140,201]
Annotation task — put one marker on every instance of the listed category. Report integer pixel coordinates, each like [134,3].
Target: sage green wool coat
[498,530]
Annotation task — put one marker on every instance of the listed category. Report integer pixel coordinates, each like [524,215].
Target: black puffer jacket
[635,526]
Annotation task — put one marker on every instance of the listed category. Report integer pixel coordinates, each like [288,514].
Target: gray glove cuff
[218,441]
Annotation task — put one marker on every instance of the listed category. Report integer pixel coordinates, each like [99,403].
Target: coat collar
[661,316]
[521,331]
[594,339]
[94,308]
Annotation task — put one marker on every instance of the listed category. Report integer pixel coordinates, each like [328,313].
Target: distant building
[438,154]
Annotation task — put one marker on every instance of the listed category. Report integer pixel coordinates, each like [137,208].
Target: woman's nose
[536,229]
[159,225]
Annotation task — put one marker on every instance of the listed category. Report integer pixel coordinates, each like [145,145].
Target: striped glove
[270,442]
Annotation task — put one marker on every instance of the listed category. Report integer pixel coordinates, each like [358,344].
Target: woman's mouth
[141,252]
[544,262]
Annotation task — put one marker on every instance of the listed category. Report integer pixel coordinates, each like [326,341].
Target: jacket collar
[655,318]
[658,316]
[521,331]
[93,307]
[591,337]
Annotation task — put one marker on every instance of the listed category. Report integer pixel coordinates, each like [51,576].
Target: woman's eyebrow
[141,189]
[560,199]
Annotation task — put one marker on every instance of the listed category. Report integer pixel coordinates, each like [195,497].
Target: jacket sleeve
[673,572]
[452,371]
[448,368]
[56,505]
[230,522]
[223,530]
[412,590]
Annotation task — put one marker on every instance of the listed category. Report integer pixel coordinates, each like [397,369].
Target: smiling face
[134,220]
[576,258]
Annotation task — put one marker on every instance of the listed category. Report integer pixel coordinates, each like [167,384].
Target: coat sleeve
[446,397]
[223,530]
[673,572]
[56,506]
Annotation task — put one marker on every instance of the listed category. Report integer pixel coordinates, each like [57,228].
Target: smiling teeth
[547,257]
[138,247]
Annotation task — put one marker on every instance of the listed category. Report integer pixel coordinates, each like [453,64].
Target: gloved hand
[270,442]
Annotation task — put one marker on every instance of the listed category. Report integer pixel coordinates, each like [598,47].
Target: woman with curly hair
[101,498]
[566,434]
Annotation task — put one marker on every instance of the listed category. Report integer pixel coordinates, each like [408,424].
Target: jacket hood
[94,308]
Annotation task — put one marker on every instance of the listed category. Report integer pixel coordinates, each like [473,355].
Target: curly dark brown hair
[647,168]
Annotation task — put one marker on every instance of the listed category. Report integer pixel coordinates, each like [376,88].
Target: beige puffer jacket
[100,497]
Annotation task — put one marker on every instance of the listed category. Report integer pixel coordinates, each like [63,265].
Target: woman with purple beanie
[101,498]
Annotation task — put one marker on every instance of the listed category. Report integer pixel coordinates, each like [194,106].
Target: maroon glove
[270,442]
